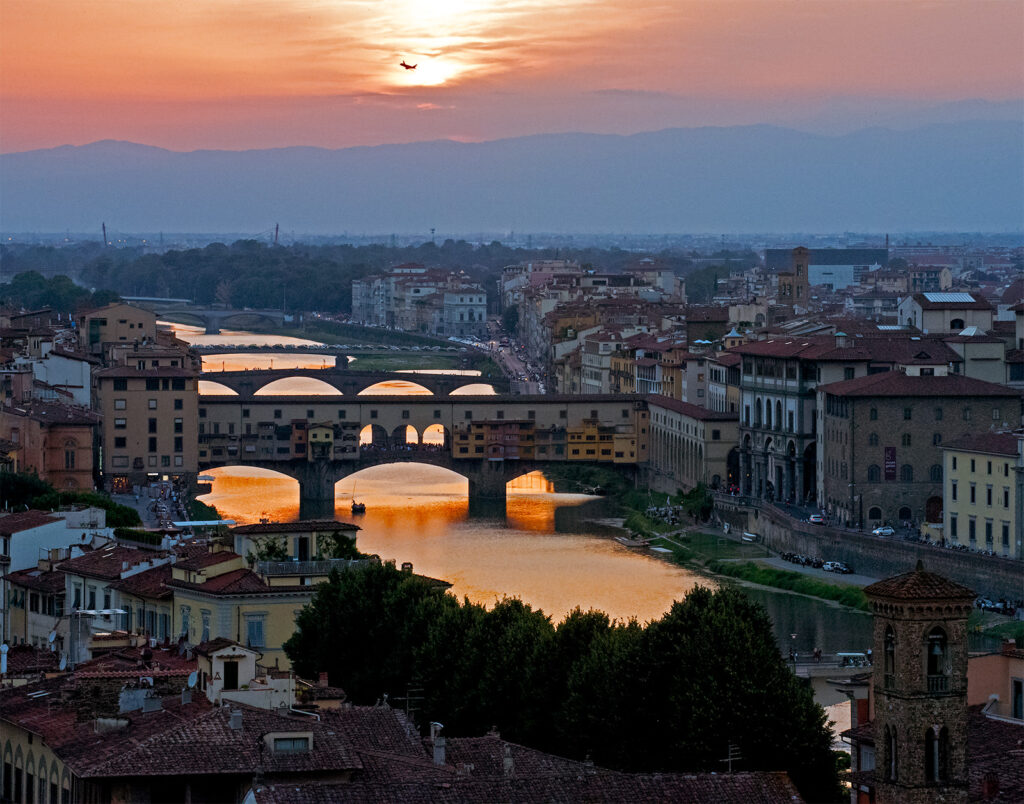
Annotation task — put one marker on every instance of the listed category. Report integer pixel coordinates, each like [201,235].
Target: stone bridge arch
[345,381]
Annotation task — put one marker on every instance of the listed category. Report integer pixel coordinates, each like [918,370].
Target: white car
[885,530]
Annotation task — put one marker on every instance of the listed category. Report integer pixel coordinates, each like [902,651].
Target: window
[936,754]
[179,444]
[905,440]
[165,460]
[179,404]
[120,404]
[972,529]
[967,414]
[848,373]
[873,414]
[202,413]
[245,413]
[954,462]
[907,473]
[952,490]
[277,413]
[152,404]
[995,414]
[178,384]
[152,425]
[468,415]
[935,473]
[1006,497]
[936,439]
[907,414]
[309,413]
[988,496]
[988,534]
[152,384]
[152,444]
[873,440]
[69,457]
[938,414]
[373,414]
[254,632]
[874,473]
[890,657]
[952,527]
[291,744]
[205,614]
[120,442]
[120,385]
[974,494]
[972,466]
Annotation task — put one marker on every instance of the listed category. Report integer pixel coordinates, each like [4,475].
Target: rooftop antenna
[734,756]
[104,234]
[277,228]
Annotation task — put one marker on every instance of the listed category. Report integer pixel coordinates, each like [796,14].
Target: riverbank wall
[990,576]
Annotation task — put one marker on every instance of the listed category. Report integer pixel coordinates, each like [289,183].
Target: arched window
[936,755]
[874,512]
[956,323]
[937,649]
[890,657]
[907,473]
[935,473]
[778,415]
[889,747]
[905,440]
[873,440]
[874,473]
[758,418]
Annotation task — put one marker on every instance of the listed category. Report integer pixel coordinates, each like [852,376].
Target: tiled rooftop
[24,520]
[898,384]
[919,585]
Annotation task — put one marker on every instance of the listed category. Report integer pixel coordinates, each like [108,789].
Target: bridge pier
[487,495]
[316,489]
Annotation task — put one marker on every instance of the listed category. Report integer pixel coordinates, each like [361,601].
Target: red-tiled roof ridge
[994,443]
[691,410]
[896,383]
[24,520]
[206,559]
[919,585]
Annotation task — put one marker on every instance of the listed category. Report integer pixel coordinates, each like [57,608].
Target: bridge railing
[321,567]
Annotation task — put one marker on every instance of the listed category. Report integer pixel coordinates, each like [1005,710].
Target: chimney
[840,340]
[235,720]
[508,764]
[322,680]
[439,750]
[153,704]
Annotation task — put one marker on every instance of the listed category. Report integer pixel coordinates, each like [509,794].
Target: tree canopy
[669,696]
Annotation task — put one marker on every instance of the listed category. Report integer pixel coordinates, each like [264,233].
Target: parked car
[831,566]
[885,530]
[816,519]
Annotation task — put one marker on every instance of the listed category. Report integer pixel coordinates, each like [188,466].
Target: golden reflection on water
[197,337]
[396,388]
[419,513]
[301,386]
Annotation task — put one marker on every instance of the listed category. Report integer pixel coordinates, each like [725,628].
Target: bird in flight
[408,66]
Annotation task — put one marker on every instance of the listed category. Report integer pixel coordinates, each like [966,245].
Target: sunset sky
[229,74]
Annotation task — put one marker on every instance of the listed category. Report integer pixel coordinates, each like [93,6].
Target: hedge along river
[419,513]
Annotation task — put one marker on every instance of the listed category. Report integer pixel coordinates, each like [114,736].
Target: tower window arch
[907,473]
[937,651]
[873,440]
[890,657]
[936,755]
[874,473]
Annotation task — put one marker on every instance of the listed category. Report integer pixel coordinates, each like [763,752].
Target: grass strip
[851,596]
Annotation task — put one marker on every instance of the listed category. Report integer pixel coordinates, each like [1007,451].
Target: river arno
[420,514]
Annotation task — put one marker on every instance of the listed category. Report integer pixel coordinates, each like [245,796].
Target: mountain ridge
[940,176]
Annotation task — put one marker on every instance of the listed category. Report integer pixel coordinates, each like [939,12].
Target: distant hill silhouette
[958,177]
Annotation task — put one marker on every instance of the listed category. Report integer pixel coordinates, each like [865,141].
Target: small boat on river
[357,507]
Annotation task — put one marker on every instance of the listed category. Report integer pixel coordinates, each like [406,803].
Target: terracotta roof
[238,582]
[24,520]
[304,526]
[108,562]
[206,559]
[727,359]
[905,349]
[48,581]
[213,645]
[896,383]
[976,303]
[54,412]
[688,409]
[992,443]
[919,585]
[26,659]
[149,584]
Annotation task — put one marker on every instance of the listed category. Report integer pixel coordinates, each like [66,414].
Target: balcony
[320,568]
[938,683]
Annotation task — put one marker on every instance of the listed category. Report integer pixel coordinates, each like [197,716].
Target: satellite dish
[52,636]
[193,677]
[53,648]
[63,663]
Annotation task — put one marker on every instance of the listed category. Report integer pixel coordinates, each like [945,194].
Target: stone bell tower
[920,688]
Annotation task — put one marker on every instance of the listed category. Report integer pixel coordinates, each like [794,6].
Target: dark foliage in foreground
[668,696]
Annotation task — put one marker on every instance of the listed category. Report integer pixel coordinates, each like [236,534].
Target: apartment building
[984,489]
[150,424]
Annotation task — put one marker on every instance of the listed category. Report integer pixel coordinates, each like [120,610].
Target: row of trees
[669,696]
[249,273]
[33,291]
[20,491]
